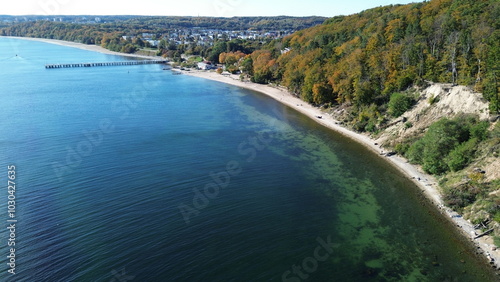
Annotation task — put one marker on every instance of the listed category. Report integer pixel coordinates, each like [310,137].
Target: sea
[134,173]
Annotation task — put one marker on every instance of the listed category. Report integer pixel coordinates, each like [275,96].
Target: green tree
[461,155]
[247,65]
[399,104]
[219,47]
[448,144]
[129,48]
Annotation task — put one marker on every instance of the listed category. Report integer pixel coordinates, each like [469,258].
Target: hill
[77,28]
[423,78]
[167,36]
[362,59]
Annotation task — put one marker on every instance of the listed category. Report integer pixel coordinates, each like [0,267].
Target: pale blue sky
[216,8]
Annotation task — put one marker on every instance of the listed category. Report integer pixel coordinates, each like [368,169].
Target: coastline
[93,48]
[425,182]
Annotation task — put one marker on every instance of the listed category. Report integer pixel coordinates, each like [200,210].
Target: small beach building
[205,65]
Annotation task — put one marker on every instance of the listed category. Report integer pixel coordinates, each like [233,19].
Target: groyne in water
[86,65]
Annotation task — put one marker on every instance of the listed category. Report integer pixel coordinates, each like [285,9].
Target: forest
[77,29]
[109,31]
[362,59]
[152,23]
[369,65]
[359,61]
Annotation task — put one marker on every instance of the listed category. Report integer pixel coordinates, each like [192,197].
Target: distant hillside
[363,58]
[234,23]
[20,25]
[127,34]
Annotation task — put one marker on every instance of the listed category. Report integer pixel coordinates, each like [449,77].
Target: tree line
[358,60]
[362,59]
[109,34]
[367,61]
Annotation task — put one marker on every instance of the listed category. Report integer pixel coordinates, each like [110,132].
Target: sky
[213,8]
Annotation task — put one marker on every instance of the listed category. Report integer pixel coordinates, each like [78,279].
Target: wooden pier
[87,65]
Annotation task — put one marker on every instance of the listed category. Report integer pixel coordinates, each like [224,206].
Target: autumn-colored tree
[231,57]
[231,60]
[129,48]
[363,59]
[263,63]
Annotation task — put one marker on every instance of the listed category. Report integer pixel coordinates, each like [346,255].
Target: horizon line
[127,15]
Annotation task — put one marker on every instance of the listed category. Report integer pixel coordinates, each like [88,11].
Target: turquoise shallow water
[134,174]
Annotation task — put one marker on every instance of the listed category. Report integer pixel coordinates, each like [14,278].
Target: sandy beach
[425,182]
[94,48]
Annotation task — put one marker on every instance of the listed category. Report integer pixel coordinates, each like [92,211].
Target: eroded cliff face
[435,102]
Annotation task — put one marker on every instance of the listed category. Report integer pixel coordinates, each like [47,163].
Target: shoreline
[426,183]
[93,48]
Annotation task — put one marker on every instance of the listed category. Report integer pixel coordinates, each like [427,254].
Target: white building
[153,43]
[205,65]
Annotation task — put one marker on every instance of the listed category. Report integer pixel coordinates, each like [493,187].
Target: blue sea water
[132,173]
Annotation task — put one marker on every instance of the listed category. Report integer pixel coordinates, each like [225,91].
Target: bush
[415,152]
[401,148]
[399,103]
[259,78]
[404,82]
[129,48]
[480,130]
[462,155]
[448,144]
[433,161]
[371,126]
[459,197]
[441,138]
[433,99]
[367,118]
